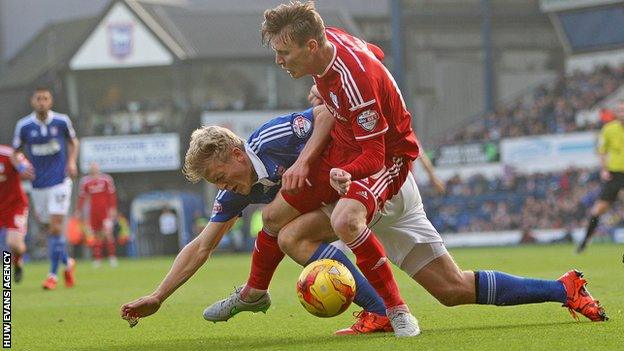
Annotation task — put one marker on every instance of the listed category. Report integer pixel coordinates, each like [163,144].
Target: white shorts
[53,200]
[403,224]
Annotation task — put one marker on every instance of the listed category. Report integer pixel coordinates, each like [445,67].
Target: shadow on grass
[271,342]
[229,343]
[501,327]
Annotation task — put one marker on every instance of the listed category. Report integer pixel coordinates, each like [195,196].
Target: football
[326,288]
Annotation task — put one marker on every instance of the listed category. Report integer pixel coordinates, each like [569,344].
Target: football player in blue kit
[52,148]
[268,152]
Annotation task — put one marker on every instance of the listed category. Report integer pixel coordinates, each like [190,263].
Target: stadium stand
[547,109]
[516,201]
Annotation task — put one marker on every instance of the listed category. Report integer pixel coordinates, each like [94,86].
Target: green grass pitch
[87,317]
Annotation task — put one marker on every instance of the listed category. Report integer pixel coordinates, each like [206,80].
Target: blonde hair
[208,143]
[296,21]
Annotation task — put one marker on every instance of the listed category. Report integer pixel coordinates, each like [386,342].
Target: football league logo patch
[368,120]
[301,126]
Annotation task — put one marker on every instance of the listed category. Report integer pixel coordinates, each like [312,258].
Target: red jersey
[11,193]
[100,190]
[367,104]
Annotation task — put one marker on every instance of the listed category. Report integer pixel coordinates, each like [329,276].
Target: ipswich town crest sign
[120,39]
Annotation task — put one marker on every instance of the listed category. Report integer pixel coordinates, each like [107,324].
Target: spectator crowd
[545,110]
[516,202]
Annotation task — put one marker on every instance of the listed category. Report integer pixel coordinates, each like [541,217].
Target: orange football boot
[49,283]
[69,273]
[367,322]
[579,299]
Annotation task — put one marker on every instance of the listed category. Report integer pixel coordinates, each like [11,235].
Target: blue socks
[501,289]
[365,295]
[57,252]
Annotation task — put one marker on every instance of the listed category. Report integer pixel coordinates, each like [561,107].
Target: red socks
[264,261]
[372,261]
[110,246]
[96,249]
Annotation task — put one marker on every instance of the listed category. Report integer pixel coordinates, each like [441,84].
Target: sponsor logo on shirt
[50,148]
[301,126]
[97,187]
[362,194]
[368,120]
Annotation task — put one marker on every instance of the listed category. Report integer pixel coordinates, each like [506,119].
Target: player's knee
[286,241]
[348,226]
[270,220]
[12,242]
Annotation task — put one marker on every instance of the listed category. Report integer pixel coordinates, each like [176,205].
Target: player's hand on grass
[314,97]
[295,177]
[141,307]
[340,180]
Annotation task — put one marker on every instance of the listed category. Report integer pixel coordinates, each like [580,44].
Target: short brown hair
[296,21]
[208,143]
[41,88]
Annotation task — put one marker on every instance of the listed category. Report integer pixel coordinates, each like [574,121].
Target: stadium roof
[49,50]
[219,32]
[186,28]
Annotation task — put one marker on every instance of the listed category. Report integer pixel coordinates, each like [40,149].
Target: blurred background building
[506,95]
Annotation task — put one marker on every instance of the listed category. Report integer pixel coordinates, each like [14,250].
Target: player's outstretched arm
[188,261]
[295,176]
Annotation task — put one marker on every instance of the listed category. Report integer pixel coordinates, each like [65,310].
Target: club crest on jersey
[334,99]
[53,131]
[368,120]
[216,208]
[33,133]
[301,126]
[279,170]
[120,39]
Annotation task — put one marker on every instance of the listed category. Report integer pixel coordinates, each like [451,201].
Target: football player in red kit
[14,205]
[366,163]
[99,190]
